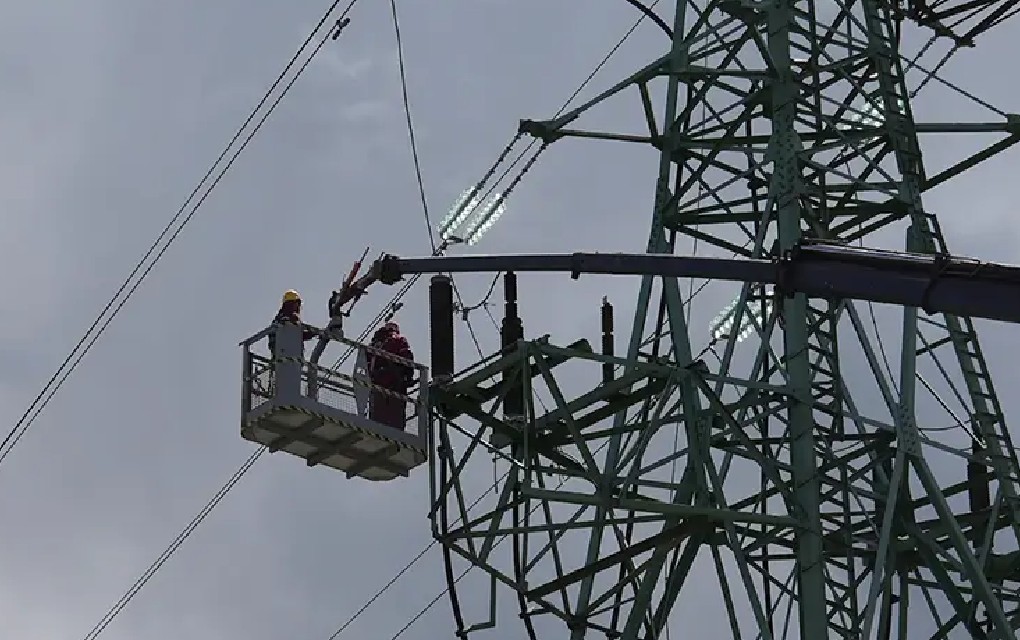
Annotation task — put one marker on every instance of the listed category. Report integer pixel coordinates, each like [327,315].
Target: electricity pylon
[832,493]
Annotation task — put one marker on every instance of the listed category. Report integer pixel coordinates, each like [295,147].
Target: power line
[213,502]
[426,549]
[180,539]
[484,302]
[410,283]
[408,566]
[91,335]
[440,250]
[246,466]
[174,546]
[410,125]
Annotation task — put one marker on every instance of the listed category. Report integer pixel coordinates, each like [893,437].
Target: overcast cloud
[112,109]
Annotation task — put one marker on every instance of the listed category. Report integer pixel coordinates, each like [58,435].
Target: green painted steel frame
[855,566]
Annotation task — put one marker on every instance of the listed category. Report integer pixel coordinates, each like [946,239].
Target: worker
[390,375]
[290,311]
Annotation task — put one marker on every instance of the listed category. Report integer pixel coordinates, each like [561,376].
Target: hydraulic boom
[934,283]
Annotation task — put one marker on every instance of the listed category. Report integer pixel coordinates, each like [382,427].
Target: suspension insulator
[511,331]
[441,325]
[608,340]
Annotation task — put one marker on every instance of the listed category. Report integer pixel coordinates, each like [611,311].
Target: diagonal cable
[410,124]
[246,466]
[407,286]
[99,325]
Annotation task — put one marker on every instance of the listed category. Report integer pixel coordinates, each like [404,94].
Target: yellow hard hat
[292,296]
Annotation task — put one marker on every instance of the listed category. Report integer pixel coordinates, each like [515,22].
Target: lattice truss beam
[817,481]
[961,21]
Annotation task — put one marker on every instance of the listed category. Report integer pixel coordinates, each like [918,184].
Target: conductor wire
[176,543]
[99,325]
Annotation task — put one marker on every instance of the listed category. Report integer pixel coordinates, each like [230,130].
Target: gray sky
[113,109]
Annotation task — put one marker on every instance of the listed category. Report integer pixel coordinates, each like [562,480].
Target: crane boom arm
[942,284]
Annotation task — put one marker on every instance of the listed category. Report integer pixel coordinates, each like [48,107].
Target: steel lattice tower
[805,477]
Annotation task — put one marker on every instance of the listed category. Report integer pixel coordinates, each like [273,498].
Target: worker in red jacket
[390,375]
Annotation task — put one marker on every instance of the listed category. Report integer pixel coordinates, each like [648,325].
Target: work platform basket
[293,404]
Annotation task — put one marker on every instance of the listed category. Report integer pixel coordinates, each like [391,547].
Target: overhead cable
[175,544]
[147,575]
[156,251]
[403,291]
[410,124]
[246,466]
